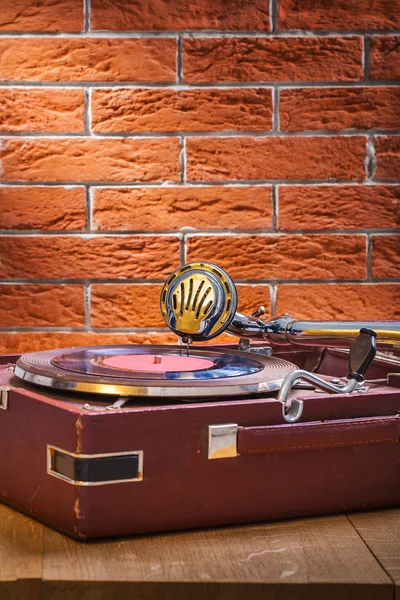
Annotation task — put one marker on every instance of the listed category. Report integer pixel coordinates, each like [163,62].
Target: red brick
[41,306]
[41,15]
[283,256]
[385,57]
[125,305]
[339,108]
[190,110]
[224,338]
[41,110]
[80,159]
[339,206]
[172,208]
[353,302]
[153,15]
[87,59]
[385,256]
[88,257]
[11,342]
[138,305]
[251,297]
[322,15]
[387,152]
[272,59]
[254,158]
[51,208]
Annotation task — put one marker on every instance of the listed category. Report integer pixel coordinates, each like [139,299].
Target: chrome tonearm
[199,300]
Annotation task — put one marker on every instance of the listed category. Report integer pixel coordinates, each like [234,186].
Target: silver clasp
[222,441]
[4,397]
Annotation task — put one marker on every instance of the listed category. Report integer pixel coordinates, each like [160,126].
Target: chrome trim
[50,470]
[4,397]
[222,441]
[180,392]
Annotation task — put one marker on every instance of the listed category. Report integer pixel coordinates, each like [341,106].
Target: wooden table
[346,557]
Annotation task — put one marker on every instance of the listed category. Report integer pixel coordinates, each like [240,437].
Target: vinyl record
[158,371]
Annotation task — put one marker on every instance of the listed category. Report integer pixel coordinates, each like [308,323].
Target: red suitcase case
[91,472]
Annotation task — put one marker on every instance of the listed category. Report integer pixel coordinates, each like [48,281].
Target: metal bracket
[265,350]
[222,441]
[244,344]
[120,403]
[4,397]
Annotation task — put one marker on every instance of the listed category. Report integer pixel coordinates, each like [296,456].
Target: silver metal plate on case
[222,441]
[4,397]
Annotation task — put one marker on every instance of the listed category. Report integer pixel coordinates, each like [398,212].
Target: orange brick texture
[136,136]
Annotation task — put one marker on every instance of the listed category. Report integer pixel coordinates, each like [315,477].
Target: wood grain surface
[355,557]
[380,530]
[21,556]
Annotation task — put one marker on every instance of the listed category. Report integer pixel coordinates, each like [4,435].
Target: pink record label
[157,363]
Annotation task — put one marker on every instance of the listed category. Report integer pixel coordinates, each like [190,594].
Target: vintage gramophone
[115,440]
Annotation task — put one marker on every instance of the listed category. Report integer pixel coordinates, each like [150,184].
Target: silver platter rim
[255,383]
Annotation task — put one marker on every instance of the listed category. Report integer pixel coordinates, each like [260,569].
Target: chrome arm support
[257,329]
[292,411]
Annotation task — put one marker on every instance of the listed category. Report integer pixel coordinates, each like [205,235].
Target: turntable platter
[155,371]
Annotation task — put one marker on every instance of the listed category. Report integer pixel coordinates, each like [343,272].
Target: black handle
[362,353]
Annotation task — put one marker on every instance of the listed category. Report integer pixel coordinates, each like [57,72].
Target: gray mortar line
[131,281]
[197,34]
[86,113]
[179,60]
[369,258]
[273,298]
[366,57]
[137,135]
[87,300]
[195,184]
[183,252]
[190,232]
[274,197]
[275,110]
[88,207]
[86,16]
[284,84]
[370,159]
[90,234]
[273,14]
[182,160]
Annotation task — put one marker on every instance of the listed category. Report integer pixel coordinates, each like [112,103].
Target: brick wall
[137,135]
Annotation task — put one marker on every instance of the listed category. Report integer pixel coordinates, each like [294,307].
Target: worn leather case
[154,467]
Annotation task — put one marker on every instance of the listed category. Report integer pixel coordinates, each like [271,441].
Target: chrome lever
[362,353]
